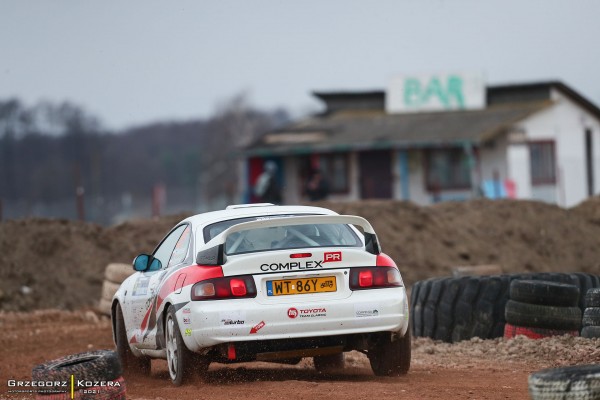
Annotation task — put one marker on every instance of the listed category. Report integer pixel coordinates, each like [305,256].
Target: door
[141,302]
[375,174]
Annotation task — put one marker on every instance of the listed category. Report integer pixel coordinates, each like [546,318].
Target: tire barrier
[543,309]
[511,331]
[453,309]
[591,314]
[568,383]
[114,275]
[98,375]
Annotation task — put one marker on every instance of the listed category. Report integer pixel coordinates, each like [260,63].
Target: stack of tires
[591,314]
[91,375]
[114,275]
[452,309]
[539,309]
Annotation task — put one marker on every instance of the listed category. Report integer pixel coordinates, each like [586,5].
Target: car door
[141,301]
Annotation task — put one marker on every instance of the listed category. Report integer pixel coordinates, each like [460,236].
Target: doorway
[375,174]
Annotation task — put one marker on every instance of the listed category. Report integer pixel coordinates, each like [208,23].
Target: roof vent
[237,206]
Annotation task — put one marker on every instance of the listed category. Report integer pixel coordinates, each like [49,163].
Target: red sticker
[292,313]
[257,327]
[333,256]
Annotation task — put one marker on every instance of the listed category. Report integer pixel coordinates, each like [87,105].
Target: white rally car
[263,282]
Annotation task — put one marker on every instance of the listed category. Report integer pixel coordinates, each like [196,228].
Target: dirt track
[470,370]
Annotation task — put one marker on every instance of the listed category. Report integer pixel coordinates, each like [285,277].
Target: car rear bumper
[205,324]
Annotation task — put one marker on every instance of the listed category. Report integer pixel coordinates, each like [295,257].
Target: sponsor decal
[307,312]
[187,320]
[257,327]
[232,322]
[369,310]
[233,319]
[140,287]
[188,332]
[332,256]
[186,310]
[292,312]
[367,313]
[291,266]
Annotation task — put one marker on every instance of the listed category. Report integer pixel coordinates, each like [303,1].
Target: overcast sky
[137,61]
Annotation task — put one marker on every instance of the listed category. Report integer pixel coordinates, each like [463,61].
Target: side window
[164,251]
[181,248]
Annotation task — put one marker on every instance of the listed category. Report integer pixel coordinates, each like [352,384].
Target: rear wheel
[390,357]
[182,362]
[329,363]
[131,364]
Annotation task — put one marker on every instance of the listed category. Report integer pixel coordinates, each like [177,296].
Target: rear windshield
[283,237]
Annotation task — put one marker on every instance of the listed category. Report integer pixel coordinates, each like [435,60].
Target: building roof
[362,130]
[358,121]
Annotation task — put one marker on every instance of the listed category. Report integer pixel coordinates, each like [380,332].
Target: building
[529,141]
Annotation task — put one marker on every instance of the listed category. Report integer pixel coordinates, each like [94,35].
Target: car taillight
[224,288]
[374,277]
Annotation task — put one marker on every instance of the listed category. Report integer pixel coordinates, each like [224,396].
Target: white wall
[565,123]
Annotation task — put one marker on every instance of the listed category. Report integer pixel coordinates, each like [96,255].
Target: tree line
[48,151]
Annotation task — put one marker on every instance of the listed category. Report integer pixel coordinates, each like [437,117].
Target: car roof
[251,210]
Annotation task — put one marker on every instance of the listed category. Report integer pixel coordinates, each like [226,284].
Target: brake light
[224,288]
[365,278]
[300,255]
[374,277]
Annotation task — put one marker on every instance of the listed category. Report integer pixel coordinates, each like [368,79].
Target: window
[543,163]
[165,249]
[181,248]
[334,167]
[291,237]
[447,169]
[283,237]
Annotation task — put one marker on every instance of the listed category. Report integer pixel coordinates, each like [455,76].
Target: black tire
[585,284]
[590,332]
[431,306]
[329,363]
[445,312]
[544,292]
[132,365]
[463,310]
[591,317]
[181,362]
[539,316]
[568,383]
[390,358]
[414,295]
[483,312]
[592,298]
[99,365]
[417,310]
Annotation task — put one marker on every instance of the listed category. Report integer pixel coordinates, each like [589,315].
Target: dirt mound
[588,210]
[59,263]
[47,263]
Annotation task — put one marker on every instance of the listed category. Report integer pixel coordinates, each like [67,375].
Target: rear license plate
[301,286]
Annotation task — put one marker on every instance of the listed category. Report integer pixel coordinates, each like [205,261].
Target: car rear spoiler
[215,253]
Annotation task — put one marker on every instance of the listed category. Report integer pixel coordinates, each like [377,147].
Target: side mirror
[145,262]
